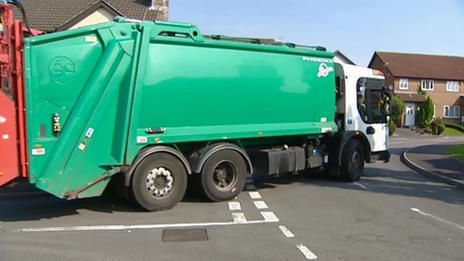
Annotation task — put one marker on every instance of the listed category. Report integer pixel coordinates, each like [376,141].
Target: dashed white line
[306,252]
[234,206]
[269,216]
[286,231]
[438,218]
[360,185]
[239,217]
[260,204]
[254,195]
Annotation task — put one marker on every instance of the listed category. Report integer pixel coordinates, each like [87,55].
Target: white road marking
[260,204]
[306,252]
[360,185]
[286,231]
[147,226]
[249,181]
[239,217]
[438,218]
[270,216]
[250,187]
[234,206]
[254,195]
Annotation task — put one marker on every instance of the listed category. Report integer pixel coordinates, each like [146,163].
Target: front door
[410,114]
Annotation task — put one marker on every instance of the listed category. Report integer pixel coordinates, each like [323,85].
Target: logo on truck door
[324,70]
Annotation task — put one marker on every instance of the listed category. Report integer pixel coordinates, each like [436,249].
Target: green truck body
[98,96]
[116,80]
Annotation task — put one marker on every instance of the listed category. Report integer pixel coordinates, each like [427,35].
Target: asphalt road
[391,214]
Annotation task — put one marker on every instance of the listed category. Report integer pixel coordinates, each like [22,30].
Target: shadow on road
[397,151]
[378,181]
[48,207]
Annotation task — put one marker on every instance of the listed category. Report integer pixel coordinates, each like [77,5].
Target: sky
[357,28]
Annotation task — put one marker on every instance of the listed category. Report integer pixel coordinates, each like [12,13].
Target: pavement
[434,161]
[407,133]
[392,213]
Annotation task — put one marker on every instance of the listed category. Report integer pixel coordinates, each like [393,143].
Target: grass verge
[457,151]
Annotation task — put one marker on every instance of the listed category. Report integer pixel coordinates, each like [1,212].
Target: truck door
[370,98]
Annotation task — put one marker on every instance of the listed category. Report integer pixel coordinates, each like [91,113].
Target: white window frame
[455,109]
[452,86]
[432,85]
[404,84]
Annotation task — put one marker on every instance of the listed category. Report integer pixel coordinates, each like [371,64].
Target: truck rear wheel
[223,176]
[352,166]
[159,182]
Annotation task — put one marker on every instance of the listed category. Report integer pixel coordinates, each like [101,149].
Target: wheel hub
[160,182]
[225,175]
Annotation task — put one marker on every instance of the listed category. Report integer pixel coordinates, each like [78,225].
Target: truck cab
[363,108]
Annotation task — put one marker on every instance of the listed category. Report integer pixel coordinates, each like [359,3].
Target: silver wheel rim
[160,182]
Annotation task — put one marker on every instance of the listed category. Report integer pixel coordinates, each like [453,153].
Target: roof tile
[423,66]
[411,97]
[50,14]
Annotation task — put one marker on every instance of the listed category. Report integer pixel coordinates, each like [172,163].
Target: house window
[451,111]
[452,87]
[404,84]
[427,85]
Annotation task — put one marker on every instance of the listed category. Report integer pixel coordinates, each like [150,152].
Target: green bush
[441,128]
[454,126]
[398,107]
[434,127]
[426,112]
[437,126]
[391,127]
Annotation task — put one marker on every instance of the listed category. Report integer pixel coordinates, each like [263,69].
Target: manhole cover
[184,235]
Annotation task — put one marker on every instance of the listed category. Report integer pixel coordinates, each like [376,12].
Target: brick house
[57,15]
[441,77]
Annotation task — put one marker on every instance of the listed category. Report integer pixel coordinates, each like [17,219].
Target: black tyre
[159,182]
[223,176]
[352,166]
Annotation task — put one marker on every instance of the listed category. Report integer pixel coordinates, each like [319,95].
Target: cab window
[369,100]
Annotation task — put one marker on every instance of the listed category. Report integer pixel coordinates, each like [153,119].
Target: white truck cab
[363,107]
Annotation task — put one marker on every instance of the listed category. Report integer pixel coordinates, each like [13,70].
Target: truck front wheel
[159,182]
[352,166]
[223,176]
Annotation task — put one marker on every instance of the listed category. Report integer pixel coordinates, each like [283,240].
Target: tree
[398,107]
[420,91]
[426,112]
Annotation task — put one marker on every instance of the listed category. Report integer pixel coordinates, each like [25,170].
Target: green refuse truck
[155,105]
